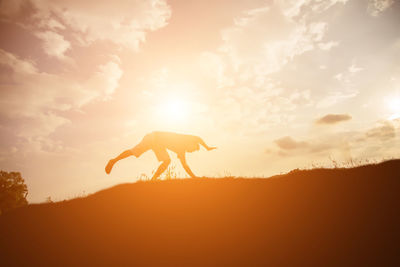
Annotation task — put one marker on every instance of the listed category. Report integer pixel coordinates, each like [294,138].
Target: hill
[325,217]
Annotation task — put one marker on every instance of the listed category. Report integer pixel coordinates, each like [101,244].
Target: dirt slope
[318,217]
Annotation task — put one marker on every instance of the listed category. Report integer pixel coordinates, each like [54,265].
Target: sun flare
[173,110]
[393,104]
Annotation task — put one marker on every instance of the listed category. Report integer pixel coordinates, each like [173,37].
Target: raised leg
[111,162]
[161,169]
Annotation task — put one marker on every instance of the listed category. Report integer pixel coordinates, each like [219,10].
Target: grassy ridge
[320,217]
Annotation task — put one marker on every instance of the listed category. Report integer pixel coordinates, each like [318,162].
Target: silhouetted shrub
[13,191]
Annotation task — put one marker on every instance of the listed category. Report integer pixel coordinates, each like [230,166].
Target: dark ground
[337,217]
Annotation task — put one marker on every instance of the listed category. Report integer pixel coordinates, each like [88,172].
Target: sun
[394,105]
[176,109]
[173,110]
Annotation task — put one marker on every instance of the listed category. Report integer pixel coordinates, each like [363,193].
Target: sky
[275,85]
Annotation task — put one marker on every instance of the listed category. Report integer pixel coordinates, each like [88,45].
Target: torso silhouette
[178,143]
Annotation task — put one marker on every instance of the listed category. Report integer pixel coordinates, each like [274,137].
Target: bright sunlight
[394,105]
[173,110]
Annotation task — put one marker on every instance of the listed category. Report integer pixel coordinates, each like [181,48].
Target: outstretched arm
[201,142]
[185,166]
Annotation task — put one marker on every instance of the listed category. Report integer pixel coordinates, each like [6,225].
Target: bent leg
[125,154]
[161,169]
[111,162]
[138,150]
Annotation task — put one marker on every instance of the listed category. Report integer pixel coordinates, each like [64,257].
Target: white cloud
[346,87]
[54,44]
[335,97]
[63,24]
[105,81]
[53,24]
[123,22]
[39,125]
[383,131]
[354,69]
[328,45]
[339,76]
[260,44]
[265,40]
[293,8]
[376,7]
[18,66]
[213,66]
[31,101]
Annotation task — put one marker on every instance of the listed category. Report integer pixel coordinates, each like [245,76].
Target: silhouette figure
[159,142]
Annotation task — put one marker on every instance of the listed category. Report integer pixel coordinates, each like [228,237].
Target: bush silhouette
[13,191]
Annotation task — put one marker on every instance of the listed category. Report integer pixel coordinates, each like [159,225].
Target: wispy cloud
[288,143]
[385,130]
[375,140]
[376,7]
[31,100]
[333,119]
[122,22]
[54,44]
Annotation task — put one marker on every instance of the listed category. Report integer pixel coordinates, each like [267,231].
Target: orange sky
[276,85]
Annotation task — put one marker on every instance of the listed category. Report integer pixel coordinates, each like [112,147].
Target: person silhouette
[159,142]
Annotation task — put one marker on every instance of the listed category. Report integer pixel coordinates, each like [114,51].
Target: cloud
[376,7]
[54,43]
[335,97]
[328,45]
[289,147]
[375,142]
[333,118]
[28,90]
[294,8]
[288,143]
[266,39]
[31,101]
[261,43]
[315,146]
[386,130]
[57,23]
[353,68]
[22,67]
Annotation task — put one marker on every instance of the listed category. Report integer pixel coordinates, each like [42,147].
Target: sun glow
[394,105]
[173,110]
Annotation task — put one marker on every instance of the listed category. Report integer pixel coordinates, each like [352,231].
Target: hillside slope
[318,217]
